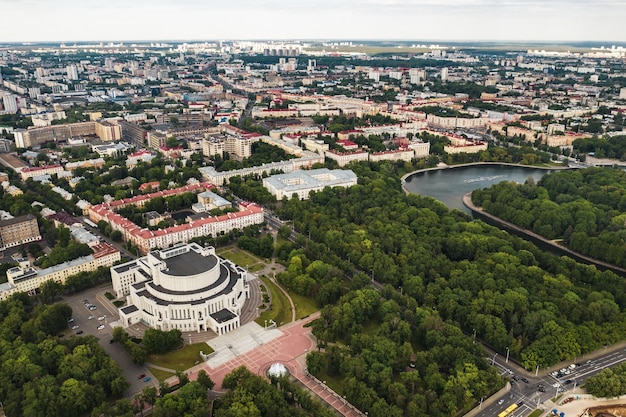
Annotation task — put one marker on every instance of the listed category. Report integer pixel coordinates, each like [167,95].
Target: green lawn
[280,311]
[242,258]
[305,306]
[181,359]
[535,413]
[159,374]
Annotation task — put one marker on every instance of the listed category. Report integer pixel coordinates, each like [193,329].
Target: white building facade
[185,287]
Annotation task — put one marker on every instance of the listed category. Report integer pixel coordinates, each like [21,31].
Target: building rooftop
[188,263]
[223,315]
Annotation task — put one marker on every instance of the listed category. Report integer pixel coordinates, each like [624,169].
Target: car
[142,376]
[500,402]
[79,332]
[92,308]
[541,389]
[101,327]
[91,317]
[515,378]
[567,382]
[101,318]
[572,366]
[525,380]
[147,379]
[75,327]
[511,395]
[85,301]
[556,385]
[555,373]
[563,370]
[521,403]
[70,320]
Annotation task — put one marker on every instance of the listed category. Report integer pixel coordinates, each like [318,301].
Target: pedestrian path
[240,341]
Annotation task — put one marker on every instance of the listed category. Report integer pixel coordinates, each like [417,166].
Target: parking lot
[104,315]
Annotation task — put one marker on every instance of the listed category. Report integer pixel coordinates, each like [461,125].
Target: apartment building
[26,278]
[19,230]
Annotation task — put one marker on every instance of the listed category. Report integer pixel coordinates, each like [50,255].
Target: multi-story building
[454,122]
[306,161]
[393,155]
[25,278]
[466,147]
[133,133]
[37,171]
[302,183]
[107,131]
[19,230]
[185,287]
[344,158]
[10,103]
[146,240]
[25,138]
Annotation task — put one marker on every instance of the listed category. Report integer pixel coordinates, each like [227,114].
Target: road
[528,392]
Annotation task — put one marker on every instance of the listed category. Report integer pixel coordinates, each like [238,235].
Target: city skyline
[449,20]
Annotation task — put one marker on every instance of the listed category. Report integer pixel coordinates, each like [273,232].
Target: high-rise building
[9,101]
[72,72]
[444,74]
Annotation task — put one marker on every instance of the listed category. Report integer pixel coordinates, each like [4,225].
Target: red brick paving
[289,349]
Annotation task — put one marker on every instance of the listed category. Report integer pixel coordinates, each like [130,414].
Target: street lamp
[507,354]
[480,407]
[493,361]
[537,371]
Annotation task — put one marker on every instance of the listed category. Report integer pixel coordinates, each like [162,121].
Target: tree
[205,380]
[116,236]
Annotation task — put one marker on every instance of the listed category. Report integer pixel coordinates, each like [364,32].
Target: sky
[444,20]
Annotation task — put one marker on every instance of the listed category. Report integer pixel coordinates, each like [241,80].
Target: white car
[91,317]
[74,327]
[101,318]
[500,402]
[556,385]
[101,327]
[572,366]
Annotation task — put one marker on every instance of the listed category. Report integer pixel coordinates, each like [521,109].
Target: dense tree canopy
[42,375]
[544,308]
[251,395]
[584,208]
[610,382]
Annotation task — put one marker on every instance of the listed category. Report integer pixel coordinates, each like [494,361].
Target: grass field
[241,258]
[305,306]
[159,374]
[535,413]
[181,359]
[280,311]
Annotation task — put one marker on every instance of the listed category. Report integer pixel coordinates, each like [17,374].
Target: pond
[450,184]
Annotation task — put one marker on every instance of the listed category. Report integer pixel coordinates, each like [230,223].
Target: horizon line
[182,40]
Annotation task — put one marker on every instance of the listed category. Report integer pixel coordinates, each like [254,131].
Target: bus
[508,410]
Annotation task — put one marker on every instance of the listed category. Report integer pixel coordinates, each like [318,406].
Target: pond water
[449,185]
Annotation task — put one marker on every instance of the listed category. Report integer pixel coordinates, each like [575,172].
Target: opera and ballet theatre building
[186,287]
